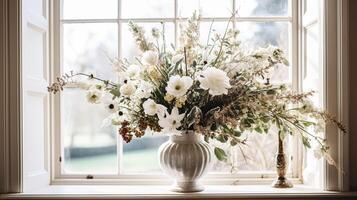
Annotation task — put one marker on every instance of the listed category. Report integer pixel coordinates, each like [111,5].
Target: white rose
[214,80]
[178,86]
[150,58]
[127,89]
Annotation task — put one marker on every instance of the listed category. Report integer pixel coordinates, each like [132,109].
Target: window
[91,35]
[25,134]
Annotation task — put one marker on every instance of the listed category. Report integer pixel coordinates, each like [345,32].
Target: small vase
[281,167]
[185,158]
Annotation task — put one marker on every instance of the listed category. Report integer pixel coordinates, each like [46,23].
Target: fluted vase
[185,158]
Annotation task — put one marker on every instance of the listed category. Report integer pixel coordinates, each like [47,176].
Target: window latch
[89,176]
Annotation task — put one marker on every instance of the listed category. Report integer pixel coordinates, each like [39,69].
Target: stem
[96,78]
[224,37]
[209,33]
[184,51]
[302,129]
[163,37]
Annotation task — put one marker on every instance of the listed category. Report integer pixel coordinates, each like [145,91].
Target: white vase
[185,158]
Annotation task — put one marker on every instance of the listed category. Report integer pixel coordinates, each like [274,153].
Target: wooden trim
[343,86]
[336,83]
[10,101]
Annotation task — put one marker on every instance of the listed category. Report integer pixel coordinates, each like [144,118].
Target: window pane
[88,148]
[147,9]
[89,48]
[217,28]
[207,8]
[89,9]
[141,155]
[257,155]
[247,8]
[260,34]
[313,71]
[128,45]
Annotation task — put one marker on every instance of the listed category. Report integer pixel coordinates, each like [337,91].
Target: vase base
[187,187]
[282,182]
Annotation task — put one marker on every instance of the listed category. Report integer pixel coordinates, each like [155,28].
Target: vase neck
[185,137]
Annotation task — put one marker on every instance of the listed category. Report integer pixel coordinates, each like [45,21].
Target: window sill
[162,192]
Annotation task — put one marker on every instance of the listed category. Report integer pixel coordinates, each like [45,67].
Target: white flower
[170,122]
[133,71]
[94,96]
[151,108]
[176,58]
[127,89]
[214,80]
[112,106]
[144,90]
[115,119]
[150,58]
[178,86]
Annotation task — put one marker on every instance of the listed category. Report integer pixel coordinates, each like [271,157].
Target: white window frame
[139,178]
[11,162]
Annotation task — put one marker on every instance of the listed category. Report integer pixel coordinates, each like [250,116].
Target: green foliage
[220,154]
[115,92]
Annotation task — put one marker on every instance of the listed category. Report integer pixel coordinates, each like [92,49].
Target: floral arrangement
[218,90]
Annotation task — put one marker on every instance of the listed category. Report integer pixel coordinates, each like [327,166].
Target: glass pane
[141,155]
[257,155]
[261,34]
[88,147]
[89,48]
[313,71]
[207,8]
[217,27]
[128,45]
[147,9]
[89,9]
[248,8]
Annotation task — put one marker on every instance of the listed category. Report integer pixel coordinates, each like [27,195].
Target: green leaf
[307,123]
[233,143]
[220,154]
[206,138]
[306,141]
[222,138]
[115,92]
[237,133]
[258,129]
[271,92]
[265,119]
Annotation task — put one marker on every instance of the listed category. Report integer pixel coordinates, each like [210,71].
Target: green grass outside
[133,161]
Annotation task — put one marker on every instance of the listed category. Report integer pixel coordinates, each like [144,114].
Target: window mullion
[234,11]
[176,21]
[119,140]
